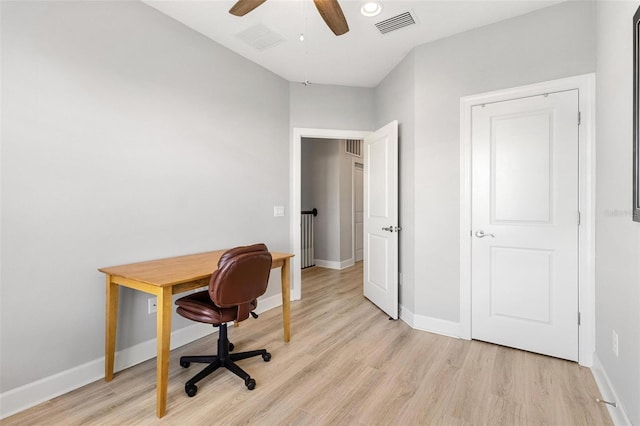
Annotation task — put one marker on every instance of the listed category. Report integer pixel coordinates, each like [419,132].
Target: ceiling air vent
[354,147]
[395,23]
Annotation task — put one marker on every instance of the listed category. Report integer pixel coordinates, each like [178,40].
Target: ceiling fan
[330,11]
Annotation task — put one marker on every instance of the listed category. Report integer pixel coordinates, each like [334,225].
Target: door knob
[481,234]
[392,228]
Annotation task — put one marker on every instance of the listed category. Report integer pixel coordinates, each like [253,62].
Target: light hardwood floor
[346,364]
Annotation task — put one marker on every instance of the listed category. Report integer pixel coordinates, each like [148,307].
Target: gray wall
[121,143]
[551,43]
[307,193]
[320,106]
[395,100]
[617,236]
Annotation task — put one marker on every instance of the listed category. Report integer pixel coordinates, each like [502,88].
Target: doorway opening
[299,134]
[328,189]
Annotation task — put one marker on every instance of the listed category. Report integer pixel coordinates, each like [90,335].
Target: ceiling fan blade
[242,7]
[332,14]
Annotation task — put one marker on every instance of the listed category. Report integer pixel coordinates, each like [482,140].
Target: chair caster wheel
[191,390]
[266,357]
[231,347]
[185,364]
[250,384]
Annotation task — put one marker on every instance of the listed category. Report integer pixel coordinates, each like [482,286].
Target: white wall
[551,43]
[617,236]
[125,137]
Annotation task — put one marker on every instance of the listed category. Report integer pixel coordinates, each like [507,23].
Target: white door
[525,224]
[381,218]
[358,211]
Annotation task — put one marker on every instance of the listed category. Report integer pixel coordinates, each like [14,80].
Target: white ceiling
[362,57]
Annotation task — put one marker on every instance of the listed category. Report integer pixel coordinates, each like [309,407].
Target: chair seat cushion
[199,307]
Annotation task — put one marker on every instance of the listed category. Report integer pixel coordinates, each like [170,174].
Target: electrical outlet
[614,342]
[152,305]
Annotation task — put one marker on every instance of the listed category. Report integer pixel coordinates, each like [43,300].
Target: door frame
[586,192]
[354,161]
[295,198]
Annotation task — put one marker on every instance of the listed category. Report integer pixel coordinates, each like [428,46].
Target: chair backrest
[242,276]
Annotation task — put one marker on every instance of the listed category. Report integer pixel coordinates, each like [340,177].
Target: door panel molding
[381,218]
[585,84]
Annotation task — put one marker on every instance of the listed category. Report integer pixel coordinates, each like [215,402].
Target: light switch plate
[278,211]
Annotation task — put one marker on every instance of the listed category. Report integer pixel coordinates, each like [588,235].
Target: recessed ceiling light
[371,8]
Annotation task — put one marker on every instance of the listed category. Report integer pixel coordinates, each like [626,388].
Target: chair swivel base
[222,359]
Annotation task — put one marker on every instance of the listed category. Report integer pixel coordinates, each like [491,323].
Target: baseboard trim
[331,264]
[617,413]
[267,303]
[34,393]
[432,325]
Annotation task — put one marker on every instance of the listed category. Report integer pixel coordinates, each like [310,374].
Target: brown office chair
[242,276]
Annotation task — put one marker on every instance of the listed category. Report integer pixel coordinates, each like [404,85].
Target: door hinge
[579,118]
[579,318]
[579,219]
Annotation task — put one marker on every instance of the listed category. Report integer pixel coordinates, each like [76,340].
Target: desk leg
[165,313]
[113,293]
[286,298]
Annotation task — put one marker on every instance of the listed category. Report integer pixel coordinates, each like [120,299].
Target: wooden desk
[164,278]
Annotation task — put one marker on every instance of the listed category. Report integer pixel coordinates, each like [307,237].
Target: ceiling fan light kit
[371,8]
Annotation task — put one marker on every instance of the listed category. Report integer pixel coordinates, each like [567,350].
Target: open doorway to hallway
[380,212]
[332,186]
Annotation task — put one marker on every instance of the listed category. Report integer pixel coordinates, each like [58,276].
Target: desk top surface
[177,270]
